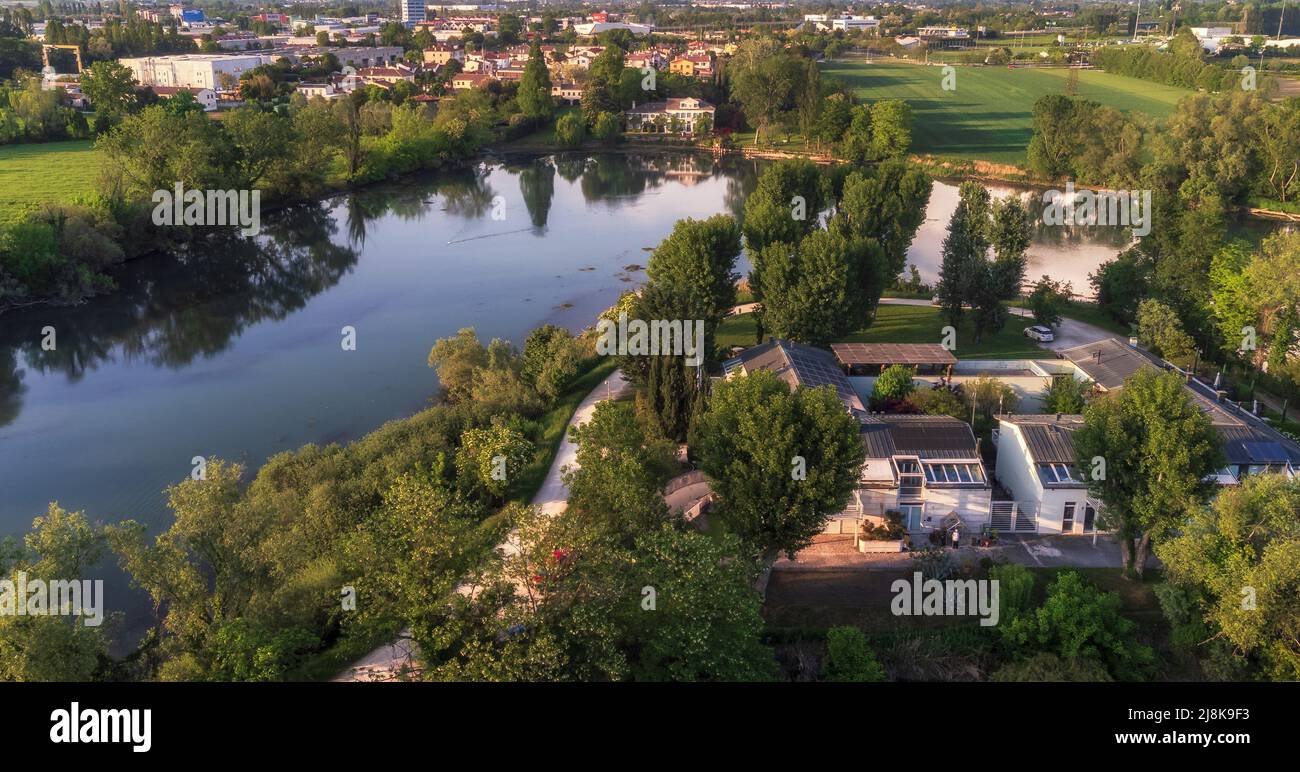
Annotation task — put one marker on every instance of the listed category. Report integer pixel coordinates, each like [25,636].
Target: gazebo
[873,358]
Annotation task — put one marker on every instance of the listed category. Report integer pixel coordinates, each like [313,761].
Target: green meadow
[987,116]
[50,171]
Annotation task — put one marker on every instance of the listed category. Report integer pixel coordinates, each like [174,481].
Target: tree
[1240,558]
[784,205]
[1160,329]
[696,266]
[764,81]
[706,623]
[550,360]
[1122,283]
[570,130]
[1157,450]
[891,129]
[620,471]
[348,116]
[571,603]
[534,95]
[1048,299]
[259,140]
[1079,621]
[1065,394]
[849,657]
[780,462]
[61,645]
[110,88]
[895,383]
[155,149]
[608,128]
[1055,135]
[816,292]
[886,203]
[457,360]
[419,544]
[963,249]
[492,458]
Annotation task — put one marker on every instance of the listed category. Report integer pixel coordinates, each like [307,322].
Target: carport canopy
[878,356]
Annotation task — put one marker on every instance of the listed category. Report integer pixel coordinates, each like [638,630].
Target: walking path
[390,661]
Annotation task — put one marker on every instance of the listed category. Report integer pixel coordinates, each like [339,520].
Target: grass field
[51,171]
[987,116]
[909,324]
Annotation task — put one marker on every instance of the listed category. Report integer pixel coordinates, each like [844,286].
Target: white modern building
[849,23]
[194,70]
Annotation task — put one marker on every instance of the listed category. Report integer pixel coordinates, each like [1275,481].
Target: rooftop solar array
[924,436]
[892,354]
[798,365]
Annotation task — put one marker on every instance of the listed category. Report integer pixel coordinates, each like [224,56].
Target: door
[1089,518]
[1067,518]
[911,516]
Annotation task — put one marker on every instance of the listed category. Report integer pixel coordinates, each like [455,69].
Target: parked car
[1040,333]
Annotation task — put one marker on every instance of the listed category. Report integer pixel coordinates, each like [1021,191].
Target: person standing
[956,538]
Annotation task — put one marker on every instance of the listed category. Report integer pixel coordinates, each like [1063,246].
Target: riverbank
[395,660]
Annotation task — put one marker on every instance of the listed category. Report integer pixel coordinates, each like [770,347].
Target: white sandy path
[386,662]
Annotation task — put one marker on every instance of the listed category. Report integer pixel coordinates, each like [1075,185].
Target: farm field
[987,116]
[50,171]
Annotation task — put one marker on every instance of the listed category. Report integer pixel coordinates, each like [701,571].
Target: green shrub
[850,658]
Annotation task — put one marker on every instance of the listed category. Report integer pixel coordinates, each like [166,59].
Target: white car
[1040,333]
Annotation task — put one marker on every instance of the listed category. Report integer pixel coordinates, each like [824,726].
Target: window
[1067,518]
[954,473]
[1057,473]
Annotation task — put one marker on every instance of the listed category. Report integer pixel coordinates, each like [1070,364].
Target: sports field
[50,171]
[987,116]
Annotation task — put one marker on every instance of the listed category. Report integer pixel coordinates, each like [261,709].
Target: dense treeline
[1215,154]
[1183,65]
[290,152]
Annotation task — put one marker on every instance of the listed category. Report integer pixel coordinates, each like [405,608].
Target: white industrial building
[194,70]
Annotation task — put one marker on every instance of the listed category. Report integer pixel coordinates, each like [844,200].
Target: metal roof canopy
[892,354]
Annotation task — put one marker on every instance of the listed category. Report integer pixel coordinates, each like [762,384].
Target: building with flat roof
[194,70]
[413,11]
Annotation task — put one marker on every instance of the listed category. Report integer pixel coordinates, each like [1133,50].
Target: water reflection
[205,298]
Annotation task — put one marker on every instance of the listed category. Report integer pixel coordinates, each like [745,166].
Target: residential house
[927,468]
[567,93]
[204,96]
[387,76]
[693,65]
[677,114]
[470,80]
[1036,465]
[442,53]
[1036,458]
[328,90]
